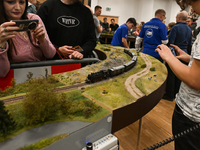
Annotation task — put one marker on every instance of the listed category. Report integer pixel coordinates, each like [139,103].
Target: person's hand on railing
[66,50]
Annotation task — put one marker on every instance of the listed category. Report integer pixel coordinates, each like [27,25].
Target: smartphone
[172,50]
[77,48]
[26,25]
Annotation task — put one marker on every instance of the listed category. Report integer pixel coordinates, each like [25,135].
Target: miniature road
[130,81]
[40,133]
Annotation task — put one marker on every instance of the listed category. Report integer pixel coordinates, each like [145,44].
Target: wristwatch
[3,47]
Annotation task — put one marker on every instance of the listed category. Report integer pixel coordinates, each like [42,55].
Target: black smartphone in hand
[172,50]
[26,25]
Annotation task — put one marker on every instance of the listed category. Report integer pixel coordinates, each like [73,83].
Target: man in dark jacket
[180,35]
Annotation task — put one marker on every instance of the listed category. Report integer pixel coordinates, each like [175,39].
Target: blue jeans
[180,122]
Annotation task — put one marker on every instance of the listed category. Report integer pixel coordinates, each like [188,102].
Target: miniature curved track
[130,81]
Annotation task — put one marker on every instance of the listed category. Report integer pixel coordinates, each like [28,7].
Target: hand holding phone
[172,50]
[26,25]
[77,48]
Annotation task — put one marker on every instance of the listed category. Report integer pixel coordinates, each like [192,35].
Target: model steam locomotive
[114,71]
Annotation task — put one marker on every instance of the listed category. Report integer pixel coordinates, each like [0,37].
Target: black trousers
[180,122]
[173,84]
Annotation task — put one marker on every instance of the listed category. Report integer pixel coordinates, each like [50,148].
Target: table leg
[139,134]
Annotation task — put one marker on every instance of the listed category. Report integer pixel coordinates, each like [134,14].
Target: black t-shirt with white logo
[70,25]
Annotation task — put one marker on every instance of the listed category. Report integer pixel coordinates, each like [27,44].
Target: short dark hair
[132,20]
[160,11]
[104,18]
[142,22]
[97,7]
[171,24]
[113,19]
[189,17]
[184,3]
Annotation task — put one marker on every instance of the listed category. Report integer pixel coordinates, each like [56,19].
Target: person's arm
[188,74]
[97,24]
[89,36]
[164,42]
[124,42]
[138,42]
[5,64]
[139,38]
[7,31]
[124,35]
[43,40]
[163,34]
[99,29]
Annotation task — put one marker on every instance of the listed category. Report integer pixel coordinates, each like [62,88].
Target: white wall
[93,4]
[141,10]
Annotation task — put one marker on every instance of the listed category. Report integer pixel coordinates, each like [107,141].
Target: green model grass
[75,112]
[116,94]
[153,80]
[43,143]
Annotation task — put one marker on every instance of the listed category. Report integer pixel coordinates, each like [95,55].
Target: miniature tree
[9,91]
[2,94]
[6,122]
[13,82]
[29,75]
[41,103]
[64,105]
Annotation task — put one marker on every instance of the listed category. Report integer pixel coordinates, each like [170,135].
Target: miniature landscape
[87,103]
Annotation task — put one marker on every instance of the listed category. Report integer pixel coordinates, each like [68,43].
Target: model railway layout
[114,71]
[93,77]
[97,82]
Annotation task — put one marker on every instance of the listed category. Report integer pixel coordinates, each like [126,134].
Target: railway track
[60,89]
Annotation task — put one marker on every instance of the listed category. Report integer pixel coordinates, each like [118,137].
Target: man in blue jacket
[153,33]
[121,34]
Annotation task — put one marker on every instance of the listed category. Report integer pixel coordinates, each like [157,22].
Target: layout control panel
[109,142]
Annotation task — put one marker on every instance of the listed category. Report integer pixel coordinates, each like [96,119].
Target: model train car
[97,76]
[114,71]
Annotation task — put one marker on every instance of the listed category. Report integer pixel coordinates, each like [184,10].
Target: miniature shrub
[143,66]
[153,69]
[85,107]
[52,79]
[105,92]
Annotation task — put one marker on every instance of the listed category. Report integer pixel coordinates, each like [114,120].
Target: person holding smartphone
[21,46]
[180,35]
[69,23]
[187,110]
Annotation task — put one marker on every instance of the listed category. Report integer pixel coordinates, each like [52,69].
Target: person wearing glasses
[153,33]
